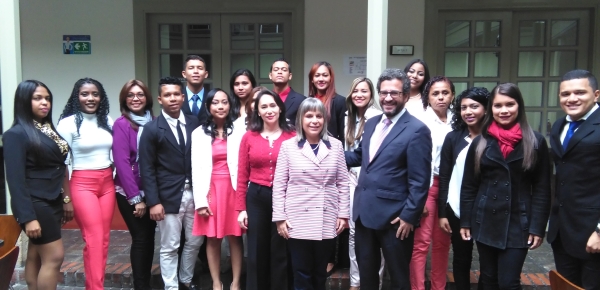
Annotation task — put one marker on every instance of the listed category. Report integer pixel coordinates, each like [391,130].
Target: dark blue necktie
[180,137]
[195,107]
[572,127]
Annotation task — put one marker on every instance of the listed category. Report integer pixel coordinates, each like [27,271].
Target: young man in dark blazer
[281,75]
[574,229]
[194,72]
[395,160]
[166,170]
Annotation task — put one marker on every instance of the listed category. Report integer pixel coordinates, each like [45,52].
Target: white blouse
[456,179]
[91,148]
[438,130]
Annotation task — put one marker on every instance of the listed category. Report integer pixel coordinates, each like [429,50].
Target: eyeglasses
[393,94]
[138,95]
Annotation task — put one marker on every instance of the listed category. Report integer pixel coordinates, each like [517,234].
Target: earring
[259,115]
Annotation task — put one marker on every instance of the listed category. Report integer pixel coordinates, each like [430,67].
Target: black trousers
[142,243]
[583,273]
[397,254]
[267,263]
[463,253]
[309,262]
[500,269]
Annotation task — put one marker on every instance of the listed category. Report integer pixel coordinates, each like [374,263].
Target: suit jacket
[336,123]
[292,103]
[164,168]
[454,143]
[504,203]
[202,115]
[396,182]
[29,174]
[576,208]
[311,192]
[202,160]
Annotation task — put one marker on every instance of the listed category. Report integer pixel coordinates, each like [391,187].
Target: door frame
[434,7]
[142,8]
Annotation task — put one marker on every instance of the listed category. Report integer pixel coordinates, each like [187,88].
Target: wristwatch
[66,199]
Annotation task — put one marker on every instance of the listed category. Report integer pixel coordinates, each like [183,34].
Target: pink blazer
[311,192]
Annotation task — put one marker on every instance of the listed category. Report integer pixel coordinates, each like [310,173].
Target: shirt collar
[589,113]
[434,117]
[173,121]
[301,143]
[190,94]
[395,118]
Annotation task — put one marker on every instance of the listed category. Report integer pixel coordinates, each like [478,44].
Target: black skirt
[49,214]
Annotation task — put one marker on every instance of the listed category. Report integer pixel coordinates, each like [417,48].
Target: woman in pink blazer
[311,195]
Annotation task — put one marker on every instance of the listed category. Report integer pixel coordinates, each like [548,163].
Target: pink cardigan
[311,192]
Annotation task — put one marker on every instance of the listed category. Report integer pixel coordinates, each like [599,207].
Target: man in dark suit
[574,230]
[166,170]
[395,160]
[194,72]
[281,75]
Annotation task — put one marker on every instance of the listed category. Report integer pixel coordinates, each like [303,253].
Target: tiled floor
[538,261]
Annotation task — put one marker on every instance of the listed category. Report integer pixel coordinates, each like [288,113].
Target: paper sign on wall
[77,44]
[355,65]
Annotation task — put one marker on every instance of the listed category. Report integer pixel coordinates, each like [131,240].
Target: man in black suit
[395,160]
[281,75]
[194,72]
[574,230]
[166,170]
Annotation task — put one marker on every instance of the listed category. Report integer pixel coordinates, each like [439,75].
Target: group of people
[294,173]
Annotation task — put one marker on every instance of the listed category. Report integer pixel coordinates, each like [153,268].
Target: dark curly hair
[477,94]
[210,127]
[433,80]
[73,107]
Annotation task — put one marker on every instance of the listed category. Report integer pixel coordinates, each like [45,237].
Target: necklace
[267,136]
[416,96]
[316,147]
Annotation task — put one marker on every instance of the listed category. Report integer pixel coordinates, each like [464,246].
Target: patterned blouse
[47,130]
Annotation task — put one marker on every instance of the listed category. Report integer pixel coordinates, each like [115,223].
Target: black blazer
[164,168]
[29,174]
[504,204]
[454,143]
[396,182]
[336,124]
[576,208]
[292,103]
[202,115]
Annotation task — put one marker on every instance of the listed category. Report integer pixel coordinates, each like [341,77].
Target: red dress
[221,199]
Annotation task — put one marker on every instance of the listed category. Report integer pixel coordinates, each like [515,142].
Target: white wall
[330,36]
[110,25]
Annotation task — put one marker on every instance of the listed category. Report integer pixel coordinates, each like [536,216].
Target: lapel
[188,133]
[493,152]
[164,126]
[290,100]
[324,148]
[394,131]
[366,137]
[555,143]
[52,146]
[585,129]
[186,104]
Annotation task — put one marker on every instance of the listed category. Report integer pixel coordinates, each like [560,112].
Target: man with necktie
[166,171]
[195,72]
[395,160]
[574,229]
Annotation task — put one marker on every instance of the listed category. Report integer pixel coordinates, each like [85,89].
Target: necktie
[181,138]
[379,138]
[195,107]
[572,127]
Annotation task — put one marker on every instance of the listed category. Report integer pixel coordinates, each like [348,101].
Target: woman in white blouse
[437,98]
[86,126]
[360,105]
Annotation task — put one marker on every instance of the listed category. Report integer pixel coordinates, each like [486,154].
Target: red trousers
[93,195]
[430,233]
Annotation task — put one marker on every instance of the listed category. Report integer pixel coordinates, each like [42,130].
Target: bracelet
[135,200]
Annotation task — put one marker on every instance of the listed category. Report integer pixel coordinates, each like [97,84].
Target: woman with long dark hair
[505,193]
[86,126]
[418,74]
[467,120]
[38,182]
[135,102]
[360,104]
[438,95]
[218,140]
[267,252]
[241,84]
[321,85]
